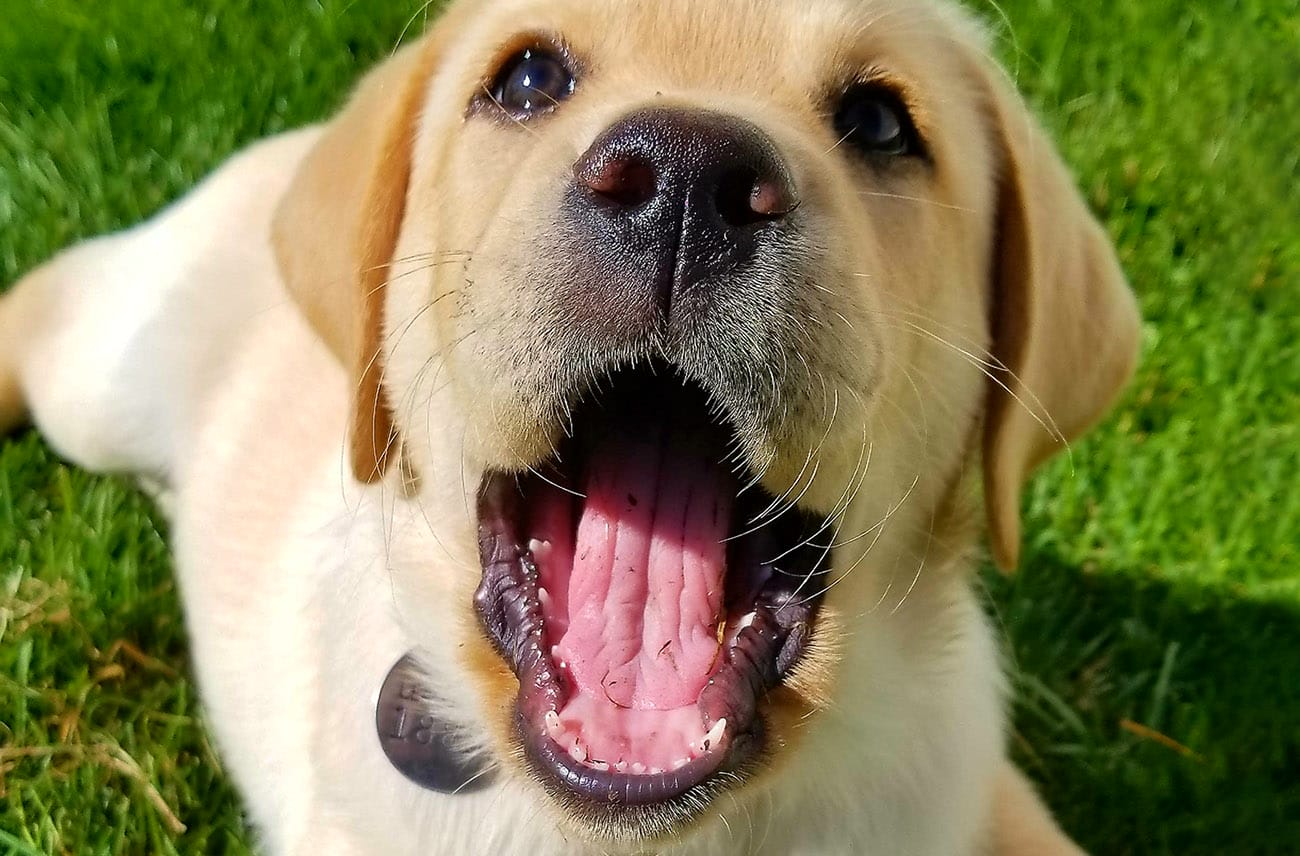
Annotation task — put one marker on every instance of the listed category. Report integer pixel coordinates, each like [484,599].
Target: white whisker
[904,198]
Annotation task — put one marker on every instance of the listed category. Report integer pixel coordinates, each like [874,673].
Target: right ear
[337,227]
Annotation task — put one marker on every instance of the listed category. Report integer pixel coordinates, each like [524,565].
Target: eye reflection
[874,120]
[532,81]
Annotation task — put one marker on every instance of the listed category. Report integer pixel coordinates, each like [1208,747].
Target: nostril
[744,198]
[772,198]
[626,182]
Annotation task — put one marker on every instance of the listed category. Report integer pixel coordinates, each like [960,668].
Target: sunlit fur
[407,326]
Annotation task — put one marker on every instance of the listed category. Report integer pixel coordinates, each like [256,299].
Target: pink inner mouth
[632,595]
[628,587]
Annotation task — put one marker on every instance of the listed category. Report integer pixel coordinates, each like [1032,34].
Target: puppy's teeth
[681,762]
[553,724]
[621,767]
[600,765]
[544,598]
[577,752]
[747,620]
[539,549]
[656,771]
[710,740]
[638,768]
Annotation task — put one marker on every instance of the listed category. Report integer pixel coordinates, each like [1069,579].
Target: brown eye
[532,81]
[874,120]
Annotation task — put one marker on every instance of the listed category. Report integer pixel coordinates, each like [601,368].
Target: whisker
[786,493]
[472,779]
[919,568]
[814,452]
[497,419]
[833,517]
[879,529]
[840,141]
[852,487]
[416,316]
[392,279]
[501,107]
[731,836]
[414,257]
[880,523]
[903,197]
[1045,420]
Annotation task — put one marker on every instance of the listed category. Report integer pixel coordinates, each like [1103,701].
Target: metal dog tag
[416,742]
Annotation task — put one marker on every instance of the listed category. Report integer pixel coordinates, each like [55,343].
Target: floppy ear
[1065,323]
[337,227]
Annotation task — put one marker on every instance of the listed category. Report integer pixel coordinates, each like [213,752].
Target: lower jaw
[613,798]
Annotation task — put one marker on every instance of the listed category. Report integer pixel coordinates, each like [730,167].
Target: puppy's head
[705,313]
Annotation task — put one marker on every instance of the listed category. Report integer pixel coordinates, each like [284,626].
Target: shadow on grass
[1156,718]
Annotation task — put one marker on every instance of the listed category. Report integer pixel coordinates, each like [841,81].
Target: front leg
[1021,824]
[111,347]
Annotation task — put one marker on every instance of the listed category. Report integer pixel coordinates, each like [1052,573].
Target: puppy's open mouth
[646,595]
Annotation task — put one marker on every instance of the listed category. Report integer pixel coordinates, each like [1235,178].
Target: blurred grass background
[1155,626]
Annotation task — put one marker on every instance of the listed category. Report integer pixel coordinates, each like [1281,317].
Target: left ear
[337,227]
[1065,323]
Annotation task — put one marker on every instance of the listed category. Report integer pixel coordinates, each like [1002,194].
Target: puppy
[638,369]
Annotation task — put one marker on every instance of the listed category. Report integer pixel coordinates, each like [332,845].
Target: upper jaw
[775,563]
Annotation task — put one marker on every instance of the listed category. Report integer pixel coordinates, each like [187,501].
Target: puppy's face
[747,199]
[693,308]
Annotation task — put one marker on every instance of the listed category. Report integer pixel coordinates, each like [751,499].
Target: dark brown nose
[686,198]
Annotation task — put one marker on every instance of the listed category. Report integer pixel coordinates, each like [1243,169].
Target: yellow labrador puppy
[633,367]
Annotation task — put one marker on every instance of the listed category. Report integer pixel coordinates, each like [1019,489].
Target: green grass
[1160,593]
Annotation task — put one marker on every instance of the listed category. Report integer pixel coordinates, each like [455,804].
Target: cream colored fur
[236,347]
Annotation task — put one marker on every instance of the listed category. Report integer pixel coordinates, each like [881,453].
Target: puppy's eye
[874,120]
[532,81]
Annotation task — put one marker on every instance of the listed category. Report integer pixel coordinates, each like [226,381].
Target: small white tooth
[539,549]
[544,598]
[656,771]
[555,652]
[710,740]
[747,620]
[577,751]
[600,765]
[621,766]
[681,762]
[638,768]
[553,724]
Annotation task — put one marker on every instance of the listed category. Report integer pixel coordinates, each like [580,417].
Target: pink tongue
[645,594]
